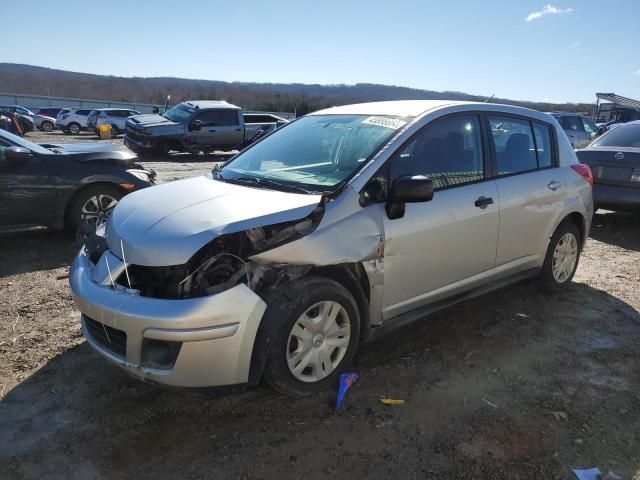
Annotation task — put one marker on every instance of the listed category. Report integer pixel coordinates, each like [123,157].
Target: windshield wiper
[265,182]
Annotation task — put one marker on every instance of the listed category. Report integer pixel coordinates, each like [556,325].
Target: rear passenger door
[530,188]
[446,245]
[220,128]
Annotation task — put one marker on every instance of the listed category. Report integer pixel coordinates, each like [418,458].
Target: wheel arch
[87,184]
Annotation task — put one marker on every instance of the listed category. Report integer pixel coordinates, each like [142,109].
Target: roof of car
[399,108]
[210,104]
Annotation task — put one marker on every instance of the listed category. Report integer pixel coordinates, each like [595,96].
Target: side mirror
[16,155]
[408,189]
[196,125]
[155,110]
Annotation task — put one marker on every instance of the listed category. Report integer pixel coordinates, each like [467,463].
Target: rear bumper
[215,334]
[613,197]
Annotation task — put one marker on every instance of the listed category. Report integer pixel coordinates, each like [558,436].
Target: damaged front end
[218,266]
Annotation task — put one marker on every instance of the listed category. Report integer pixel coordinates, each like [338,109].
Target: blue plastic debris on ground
[587,473]
[346,380]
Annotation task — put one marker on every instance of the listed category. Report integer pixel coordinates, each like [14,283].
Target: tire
[88,200]
[114,131]
[303,302]
[564,248]
[73,128]
[46,126]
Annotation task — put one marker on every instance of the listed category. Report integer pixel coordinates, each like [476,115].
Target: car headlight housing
[143,175]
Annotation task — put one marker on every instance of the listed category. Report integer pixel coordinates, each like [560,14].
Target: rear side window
[521,145]
[571,123]
[84,113]
[544,148]
[449,151]
[514,147]
[218,118]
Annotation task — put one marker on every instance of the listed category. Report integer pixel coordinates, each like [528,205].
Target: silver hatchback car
[328,232]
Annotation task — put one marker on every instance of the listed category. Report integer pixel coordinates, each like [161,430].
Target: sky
[517,49]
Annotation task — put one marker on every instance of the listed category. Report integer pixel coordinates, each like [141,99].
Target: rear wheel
[114,131]
[46,126]
[314,325]
[562,257]
[73,128]
[92,206]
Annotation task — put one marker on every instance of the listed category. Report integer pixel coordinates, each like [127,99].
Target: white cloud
[576,44]
[547,10]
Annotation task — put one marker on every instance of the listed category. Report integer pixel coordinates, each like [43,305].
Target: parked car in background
[49,111]
[579,128]
[194,126]
[57,185]
[72,120]
[334,229]
[115,117]
[44,123]
[614,159]
[26,124]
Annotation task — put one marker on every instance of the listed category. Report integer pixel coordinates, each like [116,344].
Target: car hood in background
[94,152]
[85,147]
[150,120]
[167,224]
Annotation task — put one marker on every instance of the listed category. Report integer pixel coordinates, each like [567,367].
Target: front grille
[134,135]
[110,338]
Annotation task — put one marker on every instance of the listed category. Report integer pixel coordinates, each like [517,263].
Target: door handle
[212,130]
[238,129]
[483,202]
[553,185]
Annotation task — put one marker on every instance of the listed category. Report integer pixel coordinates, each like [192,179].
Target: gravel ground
[516,384]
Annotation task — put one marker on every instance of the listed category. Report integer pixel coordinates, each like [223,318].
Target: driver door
[27,192]
[447,245]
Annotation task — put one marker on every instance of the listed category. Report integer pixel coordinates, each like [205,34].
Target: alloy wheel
[97,209]
[565,256]
[318,341]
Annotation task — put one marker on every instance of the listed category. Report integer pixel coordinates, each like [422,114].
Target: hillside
[302,98]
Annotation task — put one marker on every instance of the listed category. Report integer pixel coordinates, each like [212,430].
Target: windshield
[21,142]
[624,136]
[179,113]
[316,153]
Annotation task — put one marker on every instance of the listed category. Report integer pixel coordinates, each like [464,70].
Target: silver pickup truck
[197,126]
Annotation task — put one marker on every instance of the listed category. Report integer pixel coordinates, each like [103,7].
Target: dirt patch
[490,393]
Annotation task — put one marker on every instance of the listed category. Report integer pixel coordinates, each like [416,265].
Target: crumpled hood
[150,120]
[165,225]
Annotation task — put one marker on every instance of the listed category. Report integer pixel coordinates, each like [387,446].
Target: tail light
[584,171]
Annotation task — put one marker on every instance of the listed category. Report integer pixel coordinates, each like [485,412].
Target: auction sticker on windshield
[393,123]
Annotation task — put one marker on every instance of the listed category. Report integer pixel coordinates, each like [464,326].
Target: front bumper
[216,333]
[612,197]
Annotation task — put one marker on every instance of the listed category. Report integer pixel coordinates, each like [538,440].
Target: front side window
[218,118]
[514,146]
[449,151]
[589,126]
[317,152]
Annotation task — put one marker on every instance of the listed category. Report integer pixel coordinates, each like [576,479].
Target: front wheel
[92,206]
[314,325]
[46,126]
[561,260]
[73,128]
[114,131]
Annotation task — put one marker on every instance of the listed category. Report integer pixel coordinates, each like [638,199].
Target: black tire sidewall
[74,210]
[549,283]
[46,123]
[283,309]
[70,127]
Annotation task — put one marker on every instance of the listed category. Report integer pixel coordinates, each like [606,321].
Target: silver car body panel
[217,331]
[464,246]
[167,224]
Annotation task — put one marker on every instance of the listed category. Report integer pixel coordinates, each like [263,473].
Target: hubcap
[74,129]
[97,208]
[318,341]
[565,256]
